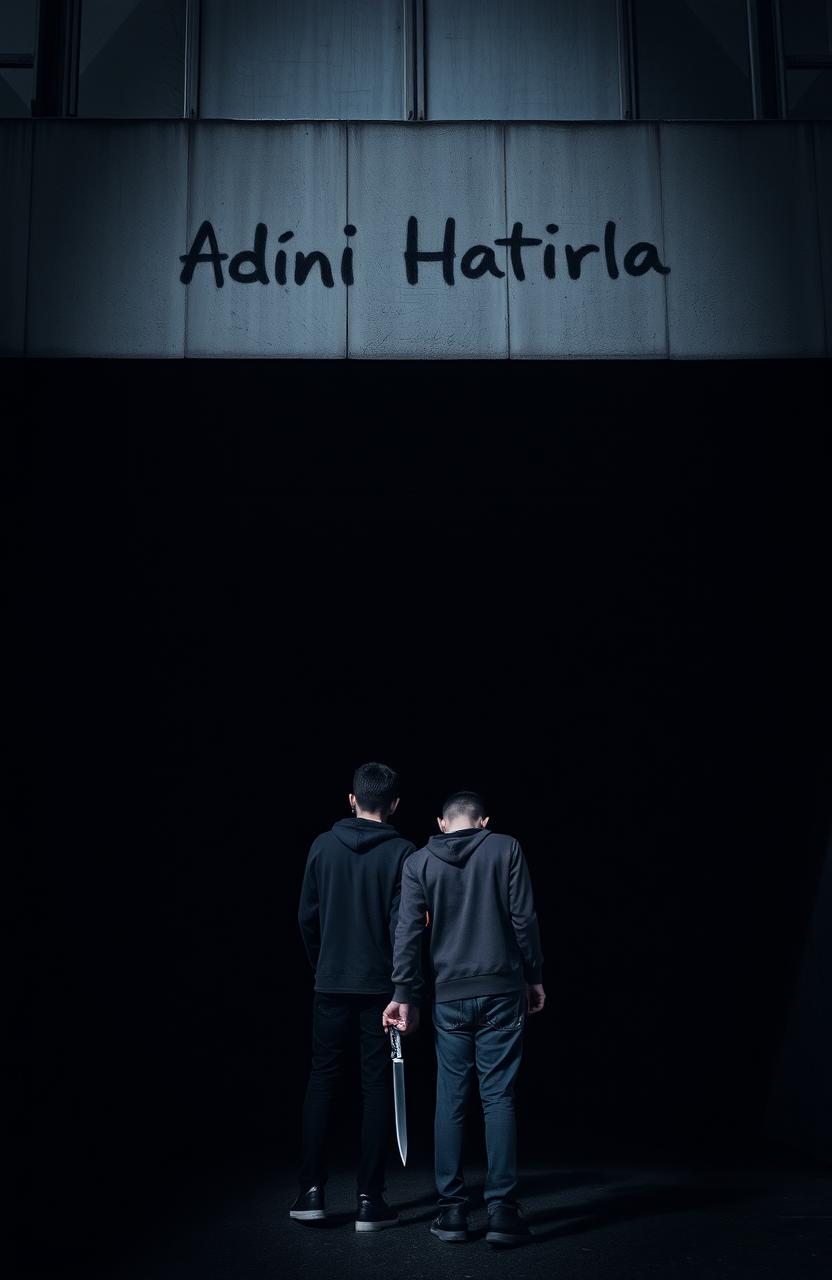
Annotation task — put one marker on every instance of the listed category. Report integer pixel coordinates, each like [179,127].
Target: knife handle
[395,1043]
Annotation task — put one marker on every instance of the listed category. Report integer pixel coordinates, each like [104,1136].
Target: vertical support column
[72,57]
[779,60]
[57,58]
[628,88]
[413,37]
[765,56]
[754,60]
[193,13]
[408,62]
[420,78]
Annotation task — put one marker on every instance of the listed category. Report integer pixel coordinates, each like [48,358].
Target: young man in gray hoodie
[486,961]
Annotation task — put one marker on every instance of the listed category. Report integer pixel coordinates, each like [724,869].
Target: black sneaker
[308,1206]
[452,1223]
[506,1225]
[374,1214]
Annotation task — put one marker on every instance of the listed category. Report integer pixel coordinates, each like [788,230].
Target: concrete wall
[96,216]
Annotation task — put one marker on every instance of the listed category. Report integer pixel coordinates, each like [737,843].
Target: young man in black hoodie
[349,905]
[486,961]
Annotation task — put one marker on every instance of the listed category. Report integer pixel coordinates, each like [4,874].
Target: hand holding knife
[399,1019]
[398,1091]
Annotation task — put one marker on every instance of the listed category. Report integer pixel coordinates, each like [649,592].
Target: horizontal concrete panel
[746,234]
[741,236]
[292,181]
[15,173]
[108,224]
[599,185]
[823,170]
[431,174]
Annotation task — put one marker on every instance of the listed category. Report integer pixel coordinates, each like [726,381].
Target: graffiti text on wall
[253,265]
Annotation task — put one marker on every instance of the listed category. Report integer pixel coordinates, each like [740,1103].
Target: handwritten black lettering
[256,258]
[517,242]
[413,256]
[248,266]
[194,256]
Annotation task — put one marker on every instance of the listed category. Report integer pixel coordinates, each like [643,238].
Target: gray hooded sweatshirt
[484,937]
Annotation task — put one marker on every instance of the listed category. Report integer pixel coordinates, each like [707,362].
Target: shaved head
[464,804]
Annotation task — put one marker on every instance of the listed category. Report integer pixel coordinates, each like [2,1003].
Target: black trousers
[335,1020]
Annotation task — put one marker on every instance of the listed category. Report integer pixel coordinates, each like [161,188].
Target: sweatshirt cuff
[404,995]
[533,975]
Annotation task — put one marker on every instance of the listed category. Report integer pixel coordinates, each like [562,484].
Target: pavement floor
[617,1222]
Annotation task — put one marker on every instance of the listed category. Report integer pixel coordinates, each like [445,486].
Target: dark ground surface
[600,1220]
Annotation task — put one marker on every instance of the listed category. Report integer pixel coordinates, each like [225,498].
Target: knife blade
[398,1092]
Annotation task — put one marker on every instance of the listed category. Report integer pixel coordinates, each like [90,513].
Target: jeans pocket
[505,1013]
[447,1015]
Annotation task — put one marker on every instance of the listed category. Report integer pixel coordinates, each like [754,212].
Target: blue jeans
[486,1033]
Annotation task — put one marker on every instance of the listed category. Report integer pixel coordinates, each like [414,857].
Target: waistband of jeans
[485,984]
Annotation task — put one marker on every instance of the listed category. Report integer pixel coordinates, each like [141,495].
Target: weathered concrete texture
[741,213]
[291,179]
[579,178]
[492,61]
[823,171]
[741,237]
[433,174]
[15,171]
[108,217]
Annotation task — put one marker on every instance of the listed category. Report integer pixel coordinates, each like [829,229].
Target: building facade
[437,179]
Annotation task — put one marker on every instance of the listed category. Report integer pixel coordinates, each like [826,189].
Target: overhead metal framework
[56,59]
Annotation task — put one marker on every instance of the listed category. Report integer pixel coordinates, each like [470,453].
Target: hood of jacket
[456,847]
[361,834]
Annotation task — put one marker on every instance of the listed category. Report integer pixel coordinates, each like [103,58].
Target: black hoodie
[484,937]
[349,904]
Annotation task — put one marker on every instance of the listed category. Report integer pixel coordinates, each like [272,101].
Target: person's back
[486,962]
[480,906]
[349,904]
[347,915]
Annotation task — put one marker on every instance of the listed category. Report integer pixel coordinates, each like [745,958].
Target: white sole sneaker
[504,1237]
[449,1237]
[307,1215]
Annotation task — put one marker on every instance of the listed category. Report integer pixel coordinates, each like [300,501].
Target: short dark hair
[468,804]
[375,786]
